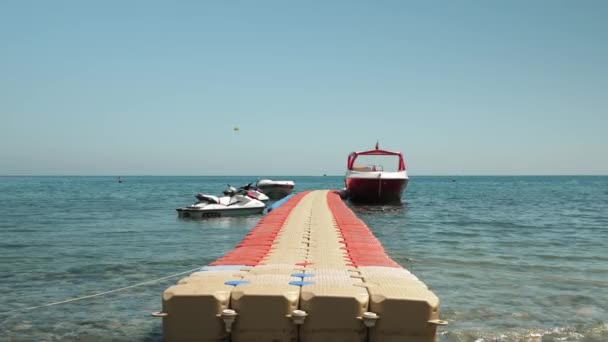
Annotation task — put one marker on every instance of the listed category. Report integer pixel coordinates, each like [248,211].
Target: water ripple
[505,255]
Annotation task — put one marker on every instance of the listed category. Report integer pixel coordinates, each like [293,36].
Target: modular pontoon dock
[308,271]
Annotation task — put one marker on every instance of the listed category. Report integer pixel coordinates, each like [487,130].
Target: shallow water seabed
[505,255]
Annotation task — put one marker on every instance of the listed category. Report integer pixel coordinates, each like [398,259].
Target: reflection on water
[367,209]
[223,222]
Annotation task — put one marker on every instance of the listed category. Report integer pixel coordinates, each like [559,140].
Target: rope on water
[17,311]
[513,272]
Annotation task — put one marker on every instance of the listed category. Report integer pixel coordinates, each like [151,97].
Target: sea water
[511,258]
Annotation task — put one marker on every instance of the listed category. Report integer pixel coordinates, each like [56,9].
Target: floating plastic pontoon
[309,271]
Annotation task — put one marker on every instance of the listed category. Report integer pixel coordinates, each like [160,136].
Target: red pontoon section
[360,243]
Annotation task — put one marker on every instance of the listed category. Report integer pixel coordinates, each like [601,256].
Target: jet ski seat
[207,198]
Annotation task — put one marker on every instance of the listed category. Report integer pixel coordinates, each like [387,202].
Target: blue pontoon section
[279,203]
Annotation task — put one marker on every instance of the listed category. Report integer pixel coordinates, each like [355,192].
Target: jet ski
[233,203]
[252,188]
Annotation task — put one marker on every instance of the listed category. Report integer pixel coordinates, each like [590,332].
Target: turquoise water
[511,258]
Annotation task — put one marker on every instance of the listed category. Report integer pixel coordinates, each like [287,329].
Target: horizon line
[322,175]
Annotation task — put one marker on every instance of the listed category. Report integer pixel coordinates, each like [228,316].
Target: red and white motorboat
[371,183]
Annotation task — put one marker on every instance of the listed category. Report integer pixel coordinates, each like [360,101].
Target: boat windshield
[370,163]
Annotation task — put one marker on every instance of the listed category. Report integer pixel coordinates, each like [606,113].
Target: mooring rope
[412,260]
[522,272]
[17,311]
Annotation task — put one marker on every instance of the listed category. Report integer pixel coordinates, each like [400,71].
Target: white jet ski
[252,188]
[275,189]
[234,203]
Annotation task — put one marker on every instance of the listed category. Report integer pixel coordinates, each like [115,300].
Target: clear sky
[155,88]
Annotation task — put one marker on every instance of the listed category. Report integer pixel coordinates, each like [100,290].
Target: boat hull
[276,192]
[214,213]
[375,190]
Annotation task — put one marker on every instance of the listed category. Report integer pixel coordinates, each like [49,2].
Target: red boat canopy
[376,152]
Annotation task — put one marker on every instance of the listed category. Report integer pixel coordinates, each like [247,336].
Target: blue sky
[155,88]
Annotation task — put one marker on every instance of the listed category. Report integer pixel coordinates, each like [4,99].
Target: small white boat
[252,188]
[235,203]
[275,189]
